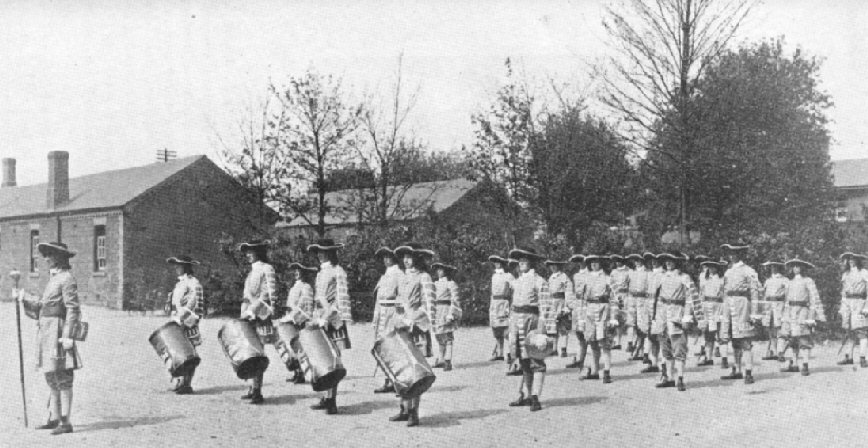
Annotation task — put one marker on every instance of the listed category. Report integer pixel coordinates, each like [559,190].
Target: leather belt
[739,293]
[775,299]
[712,299]
[854,296]
[389,303]
[527,309]
[443,302]
[798,302]
[500,297]
[53,311]
[639,294]
[673,302]
[598,300]
[621,289]
[559,295]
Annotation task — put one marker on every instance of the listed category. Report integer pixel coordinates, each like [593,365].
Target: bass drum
[320,359]
[403,363]
[242,347]
[176,351]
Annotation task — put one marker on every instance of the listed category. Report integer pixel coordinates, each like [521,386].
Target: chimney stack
[8,173]
[58,178]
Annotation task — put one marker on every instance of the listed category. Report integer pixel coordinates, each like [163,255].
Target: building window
[841,214]
[99,261]
[34,241]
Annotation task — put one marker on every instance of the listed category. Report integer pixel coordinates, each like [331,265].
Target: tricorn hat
[441,265]
[183,259]
[734,247]
[718,263]
[797,261]
[301,267]
[636,257]
[324,244]
[54,247]
[590,258]
[673,255]
[616,257]
[701,258]
[413,249]
[253,245]
[525,252]
[557,262]
[383,251]
[498,259]
[772,263]
[577,258]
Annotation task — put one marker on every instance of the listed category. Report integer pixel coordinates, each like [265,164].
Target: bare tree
[317,128]
[663,47]
[389,146]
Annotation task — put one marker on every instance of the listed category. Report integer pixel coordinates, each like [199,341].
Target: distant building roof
[95,191]
[850,173]
[405,202]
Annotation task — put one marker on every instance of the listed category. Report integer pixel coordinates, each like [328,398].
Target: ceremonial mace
[16,276]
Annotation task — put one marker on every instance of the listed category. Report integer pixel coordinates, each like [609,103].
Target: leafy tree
[581,173]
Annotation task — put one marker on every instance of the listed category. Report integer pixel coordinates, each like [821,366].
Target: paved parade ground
[122,398]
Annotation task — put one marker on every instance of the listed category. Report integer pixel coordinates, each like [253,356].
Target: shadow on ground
[120,423]
[366,407]
[573,401]
[455,418]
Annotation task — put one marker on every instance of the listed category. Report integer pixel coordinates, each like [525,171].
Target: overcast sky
[113,83]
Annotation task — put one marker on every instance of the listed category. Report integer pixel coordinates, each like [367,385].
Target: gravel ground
[123,399]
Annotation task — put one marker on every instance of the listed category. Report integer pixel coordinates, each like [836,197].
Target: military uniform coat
[741,291]
[531,292]
[501,297]
[187,297]
[771,307]
[600,306]
[447,306]
[853,291]
[386,293]
[674,303]
[802,304]
[559,287]
[56,311]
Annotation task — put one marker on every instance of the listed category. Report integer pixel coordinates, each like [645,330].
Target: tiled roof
[95,191]
[408,202]
[850,173]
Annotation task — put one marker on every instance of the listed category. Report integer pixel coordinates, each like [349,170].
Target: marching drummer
[260,293]
[531,294]
[415,294]
[58,313]
[557,319]
[576,304]
[447,312]
[386,293]
[711,291]
[498,309]
[187,301]
[332,297]
[300,307]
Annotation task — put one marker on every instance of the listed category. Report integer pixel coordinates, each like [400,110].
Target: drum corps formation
[647,300]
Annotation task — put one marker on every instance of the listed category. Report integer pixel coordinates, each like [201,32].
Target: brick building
[851,189]
[123,224]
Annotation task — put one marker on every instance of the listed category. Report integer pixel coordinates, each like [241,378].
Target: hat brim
[445,266]
[734,247]
[846,255]
[400,251]
[301,267]
[46,248]
[557,262]
[521,253]
[800,263]
[244,247]
[497,259]
[578,258]
[175,260]
[322,248]
[772,263]
[383,251]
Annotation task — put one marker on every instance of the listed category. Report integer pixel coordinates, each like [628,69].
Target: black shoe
[520,401]
[534,403]
[630,347]
[847,361]
[184,390]
[639,358]
[51,424]
[748,378]
[320,406]
[496,358]
[665,382]
[448,366]
[770,357]
[513,370]
[706,362]
[62,429]
[248,395]
[650,369]
[862,362]
[790,369]
[332,406]
[616,347]
[680,385]
[574,365]
[607,378]
[298,378]
[805,371]
[439,364]
[590,376]
[724,363]
[733,376]
[646,359]
[257,398]
[402,416]
[385,389]
[413,418]
[716,352]
[563,352]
